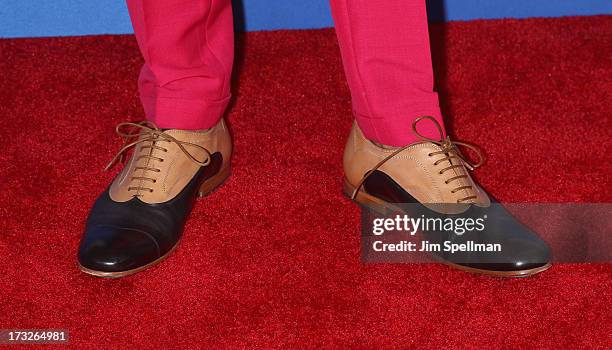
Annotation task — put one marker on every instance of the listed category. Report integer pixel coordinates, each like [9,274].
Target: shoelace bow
[448,148]
[147,132]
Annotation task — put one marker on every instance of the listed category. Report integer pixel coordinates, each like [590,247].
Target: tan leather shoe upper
[430,172]
[163,162]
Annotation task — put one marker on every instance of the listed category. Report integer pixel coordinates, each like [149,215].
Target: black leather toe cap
[114,249]
[521,250]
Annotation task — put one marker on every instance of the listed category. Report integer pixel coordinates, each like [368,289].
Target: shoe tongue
[460,182]
[147,151]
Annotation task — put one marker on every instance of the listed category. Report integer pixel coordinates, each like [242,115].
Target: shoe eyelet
[446,182]
[440,172]
[154,181]
[429,155]
[150,190]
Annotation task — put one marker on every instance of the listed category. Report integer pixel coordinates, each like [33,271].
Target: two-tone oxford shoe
[138,220]
[430,179]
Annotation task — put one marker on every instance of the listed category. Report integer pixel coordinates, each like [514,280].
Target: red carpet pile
[272,258]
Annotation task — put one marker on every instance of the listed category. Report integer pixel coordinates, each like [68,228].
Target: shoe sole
[206,188]
[375,203]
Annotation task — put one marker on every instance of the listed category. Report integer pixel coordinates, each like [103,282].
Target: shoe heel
[366,200]
[214,182]
[348,189]
[362,197]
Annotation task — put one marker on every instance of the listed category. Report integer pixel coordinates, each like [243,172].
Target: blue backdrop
[25,18]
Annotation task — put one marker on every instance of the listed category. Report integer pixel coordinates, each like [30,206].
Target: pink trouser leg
[188,47]
[387,61]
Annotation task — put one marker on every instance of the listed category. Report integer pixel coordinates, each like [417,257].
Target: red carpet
[271,259]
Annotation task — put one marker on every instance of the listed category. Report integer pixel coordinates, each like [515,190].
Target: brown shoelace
[450,151]
[148,133]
